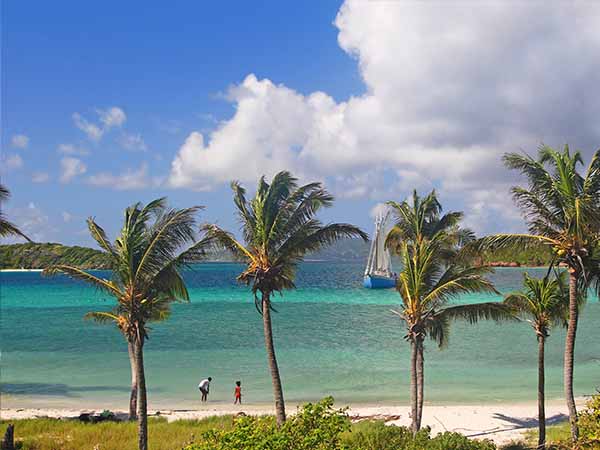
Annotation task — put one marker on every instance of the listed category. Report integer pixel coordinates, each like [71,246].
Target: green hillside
[39,256]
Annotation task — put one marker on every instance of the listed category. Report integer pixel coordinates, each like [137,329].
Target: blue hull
[377,282]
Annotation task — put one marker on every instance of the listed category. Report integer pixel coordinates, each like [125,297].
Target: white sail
[379,261]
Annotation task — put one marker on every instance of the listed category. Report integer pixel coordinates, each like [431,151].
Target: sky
[111,103]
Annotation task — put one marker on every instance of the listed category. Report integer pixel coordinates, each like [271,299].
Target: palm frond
[79,274]
[475,312]
[99,235]
[102,317]
[225,240]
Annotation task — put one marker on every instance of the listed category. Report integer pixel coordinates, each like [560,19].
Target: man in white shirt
[204,387]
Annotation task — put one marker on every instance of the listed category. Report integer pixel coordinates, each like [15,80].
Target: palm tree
[543,303]
[278,227]
[562,209]
[434,271]
[146,260]
[426,285]
[6,227]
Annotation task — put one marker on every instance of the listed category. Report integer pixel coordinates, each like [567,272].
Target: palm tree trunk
[275,377]
[541,400]
[142,411]
[570,353]
[413,386]
[134,384]
[420,382]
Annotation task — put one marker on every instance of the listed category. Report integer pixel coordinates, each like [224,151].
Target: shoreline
[502,423]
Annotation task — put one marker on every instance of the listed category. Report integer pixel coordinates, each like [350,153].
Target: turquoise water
[332,337]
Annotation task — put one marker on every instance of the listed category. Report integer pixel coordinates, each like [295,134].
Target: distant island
[41,255]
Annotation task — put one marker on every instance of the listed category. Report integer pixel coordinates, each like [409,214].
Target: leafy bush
[375,435]
[589,424]
[321,427]
[315,427]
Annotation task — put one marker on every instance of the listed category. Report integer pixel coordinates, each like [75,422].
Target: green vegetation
[520,257]
[279,227]
[317,426]
[434,270]
[54,434]
[39,256]
[543,303]
[153,246]
[562,209]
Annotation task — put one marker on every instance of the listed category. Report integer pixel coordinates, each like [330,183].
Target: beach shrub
[375,435]
[319,426]
[589,424]
[316,426]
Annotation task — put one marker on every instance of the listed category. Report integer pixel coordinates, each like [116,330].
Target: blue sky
[108,104]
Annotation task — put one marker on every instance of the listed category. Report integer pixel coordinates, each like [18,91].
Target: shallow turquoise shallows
[332,336]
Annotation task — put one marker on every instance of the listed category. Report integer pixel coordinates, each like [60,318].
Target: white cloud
[40,177]
[93,132]
[32,221]
[71,168]
[70,149]
[12,162]
[134,142]
[67,217]
[449,87]
[19,141]
[109,118]
[128,180]
[112,117]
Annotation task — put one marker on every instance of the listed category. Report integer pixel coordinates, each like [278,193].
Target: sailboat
[378,273]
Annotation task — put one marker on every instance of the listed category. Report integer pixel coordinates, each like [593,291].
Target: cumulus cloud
[32,221]
[71,168]
[12,162]
[133,142]
[450,86]
[19,141]
[40,177]
[108,118]
[112,117]
[128,180]
[70,149]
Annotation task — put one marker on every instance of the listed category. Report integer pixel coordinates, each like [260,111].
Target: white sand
[501,423]
[21,270]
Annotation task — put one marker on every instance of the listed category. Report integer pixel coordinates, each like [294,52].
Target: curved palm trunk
[541,399]
[414,404]
[134,384]
[142,411]
[275,377]
[570,353]
[420,382]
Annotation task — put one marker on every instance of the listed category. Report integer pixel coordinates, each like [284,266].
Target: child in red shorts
[238,393]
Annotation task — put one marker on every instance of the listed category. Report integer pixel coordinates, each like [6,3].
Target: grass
[55,434]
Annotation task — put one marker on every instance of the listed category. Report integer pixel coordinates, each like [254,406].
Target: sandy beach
[501,423]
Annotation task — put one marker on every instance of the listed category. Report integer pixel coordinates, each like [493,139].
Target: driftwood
[8,443]
[384,417]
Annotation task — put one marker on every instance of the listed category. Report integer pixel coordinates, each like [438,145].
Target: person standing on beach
[238,393]
[204,387]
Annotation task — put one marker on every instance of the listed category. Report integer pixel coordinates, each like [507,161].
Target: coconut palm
[426,284]
[6,227]
[543,303]
[422,218]
[278,227]
[415,221]
[147,257]
[562,209]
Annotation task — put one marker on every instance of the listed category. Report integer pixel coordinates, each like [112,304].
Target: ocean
[332,337]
